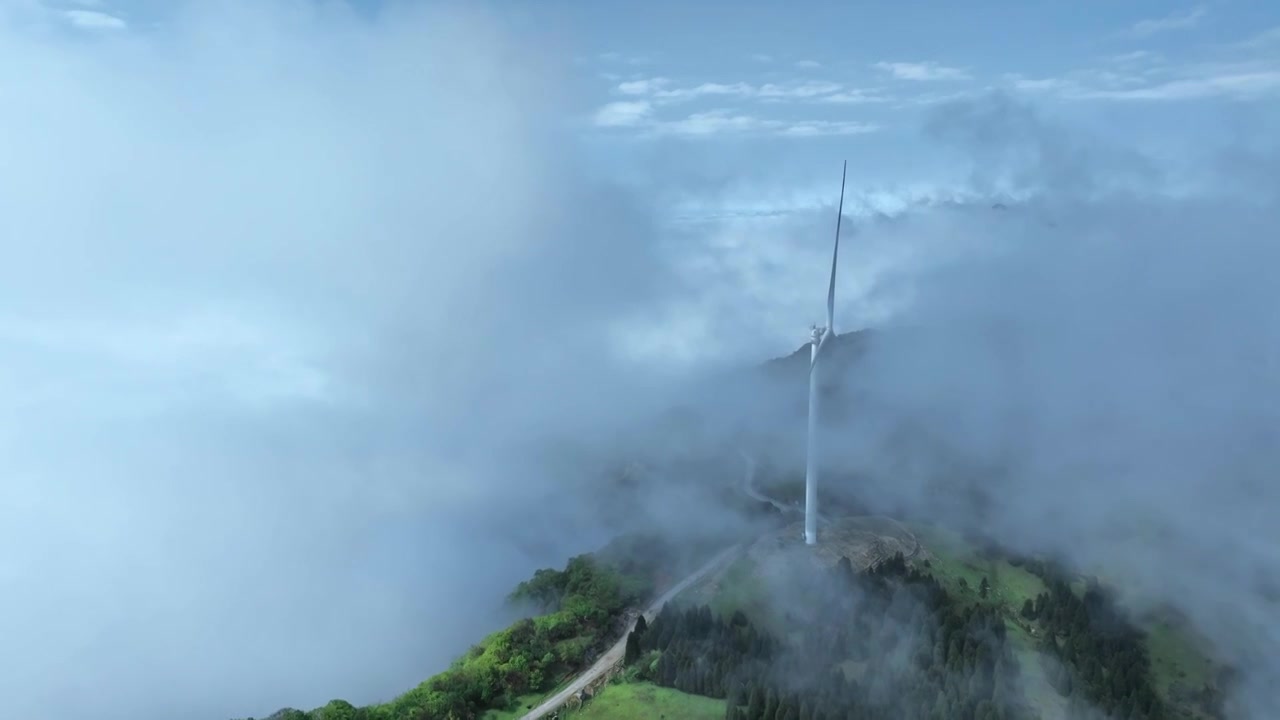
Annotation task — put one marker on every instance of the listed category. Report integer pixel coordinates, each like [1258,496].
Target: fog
[1100,360]
[294,303]
[289,298]
[1079,355]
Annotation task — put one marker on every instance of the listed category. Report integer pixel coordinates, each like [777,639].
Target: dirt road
[614,655]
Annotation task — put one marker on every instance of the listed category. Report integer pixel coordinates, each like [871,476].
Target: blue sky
[786,89]
[780,91]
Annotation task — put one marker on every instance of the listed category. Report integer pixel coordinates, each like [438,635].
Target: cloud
[1231,81]
[808,64]
[1128,426]
[817,128]
[1136,57]
[921,71]
[1239,71]
[644,86]
[804,90]
[1095,423]
[1265,41]
[854,96]
[729,123]
[623,114]
[1181,20]
[289,308]
[660,89]
[1236,85]
[94,20]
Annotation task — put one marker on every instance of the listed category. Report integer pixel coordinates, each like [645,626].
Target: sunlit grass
[645,701]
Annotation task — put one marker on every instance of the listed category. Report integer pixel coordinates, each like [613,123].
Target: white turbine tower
[818,342]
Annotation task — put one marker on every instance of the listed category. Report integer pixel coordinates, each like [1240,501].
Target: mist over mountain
[321,330]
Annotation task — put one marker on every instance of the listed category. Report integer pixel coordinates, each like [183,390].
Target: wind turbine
[818,341]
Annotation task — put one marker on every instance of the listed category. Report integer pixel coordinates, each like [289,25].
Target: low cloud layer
[1102,362]
[292,298]
[1079,355]
[288,296]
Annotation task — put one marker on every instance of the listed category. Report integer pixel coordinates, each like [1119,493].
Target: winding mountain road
[614,655]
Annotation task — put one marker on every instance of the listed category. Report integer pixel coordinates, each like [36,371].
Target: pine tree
[755,703]
[632,653]
[641,625]
[1028,610]
[771,705]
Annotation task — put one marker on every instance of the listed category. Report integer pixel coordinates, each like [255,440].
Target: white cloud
[94,20]
[808,64]
[798,90]
[623,114]
[1025,84]
[923,71]
[854,96]
[660,89]
[710,123]
[1232,85]
[816,128]
[728,122]
[1238,81]
[739,89]
[762,58]
[644,86]
[1175,21]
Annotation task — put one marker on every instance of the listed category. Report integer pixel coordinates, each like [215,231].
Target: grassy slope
[644,701]
[954,560]
[1174,654]
[1176,660]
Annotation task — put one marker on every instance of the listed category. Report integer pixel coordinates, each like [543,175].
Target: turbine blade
[831,289]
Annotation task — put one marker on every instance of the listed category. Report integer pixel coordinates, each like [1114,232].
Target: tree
[771,705]
[755,704]
[338,710]
[632,653]
[641,624]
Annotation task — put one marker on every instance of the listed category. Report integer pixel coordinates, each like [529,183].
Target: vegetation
[577,611]
[1064,639]
[950,659]
[966,633]
[1183,677]
[646,701]
[1176,671]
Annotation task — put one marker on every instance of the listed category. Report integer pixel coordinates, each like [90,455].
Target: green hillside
[1044,612]
[574,613]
